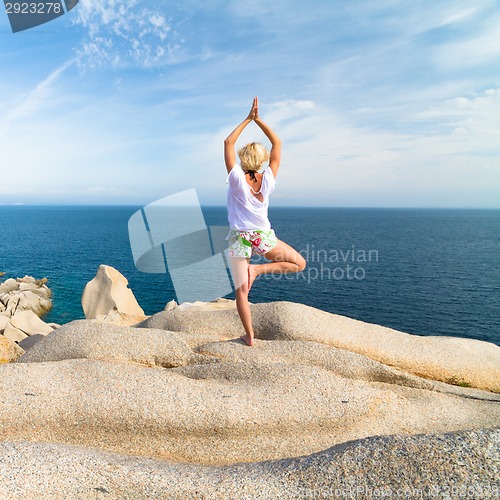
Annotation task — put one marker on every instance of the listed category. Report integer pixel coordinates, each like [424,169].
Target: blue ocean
[422,271]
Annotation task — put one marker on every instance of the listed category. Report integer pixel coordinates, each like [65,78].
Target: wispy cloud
[474,49]
[31,102]
[376,102]
[123,33]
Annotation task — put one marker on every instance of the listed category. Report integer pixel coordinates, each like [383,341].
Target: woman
[249,227]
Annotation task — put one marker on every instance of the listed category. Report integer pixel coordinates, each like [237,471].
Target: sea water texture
[422,271]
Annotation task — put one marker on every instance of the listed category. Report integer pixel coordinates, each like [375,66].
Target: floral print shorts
[248,243]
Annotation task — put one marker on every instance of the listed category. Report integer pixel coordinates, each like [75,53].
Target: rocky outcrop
[22,301]
[217,413]
[25,294]
[452,465]
[181,408]
[453,360]
[107,298]
[222,409]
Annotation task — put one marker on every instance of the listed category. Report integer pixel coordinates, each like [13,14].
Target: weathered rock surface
[217,413]
[107,298]
[343,363]
[25,294]
[9,350]
[98,410]
[91,339]
[24,324]
[451,465]
[449,359]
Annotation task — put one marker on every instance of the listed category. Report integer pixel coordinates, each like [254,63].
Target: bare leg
[239,268]
[285,259]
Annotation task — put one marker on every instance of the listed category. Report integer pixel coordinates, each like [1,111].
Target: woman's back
[248,207]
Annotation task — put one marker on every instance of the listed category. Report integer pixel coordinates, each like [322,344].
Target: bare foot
[252,274]
[247,339]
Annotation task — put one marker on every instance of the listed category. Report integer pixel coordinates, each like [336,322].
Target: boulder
[452,360]
[171,305]
[40,290]
[26,279]
[86,339]
[108,298]
[116,318]
[30,323]
[8,285]
[31,301]
[25,323]
[13,333]
[9,350]
[11,302]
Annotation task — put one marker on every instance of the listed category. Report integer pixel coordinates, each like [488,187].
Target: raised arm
[275,156]
[230,140]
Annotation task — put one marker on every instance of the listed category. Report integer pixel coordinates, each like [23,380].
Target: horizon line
[415,207]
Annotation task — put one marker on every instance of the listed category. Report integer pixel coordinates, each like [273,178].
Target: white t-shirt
[244,210]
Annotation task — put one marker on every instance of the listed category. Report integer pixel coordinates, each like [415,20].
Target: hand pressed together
[254,112]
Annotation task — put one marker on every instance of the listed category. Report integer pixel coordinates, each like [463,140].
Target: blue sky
[387,103]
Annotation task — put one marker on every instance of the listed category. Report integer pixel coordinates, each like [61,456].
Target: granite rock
[25,294]
[9,350]
[108,298]
[450,465]
[90,339]
[218,412]
[453,360]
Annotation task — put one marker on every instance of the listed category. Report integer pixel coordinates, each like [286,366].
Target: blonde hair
[252,156]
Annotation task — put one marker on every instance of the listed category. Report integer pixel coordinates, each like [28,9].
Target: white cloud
[122,33]
[457,17]
[367,116]
[30,103]
[474,119]
[482,47]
